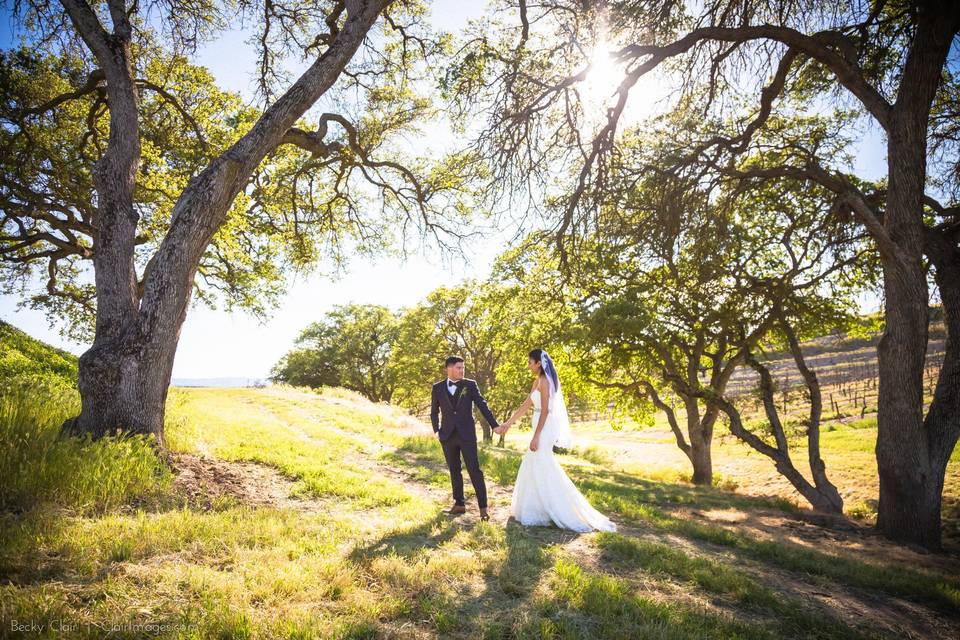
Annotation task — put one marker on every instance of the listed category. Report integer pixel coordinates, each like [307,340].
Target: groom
[451,412]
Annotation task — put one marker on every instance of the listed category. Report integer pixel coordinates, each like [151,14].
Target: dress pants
[453,448]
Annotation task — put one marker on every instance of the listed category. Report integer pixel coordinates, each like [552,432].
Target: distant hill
[25,359]
[233,381]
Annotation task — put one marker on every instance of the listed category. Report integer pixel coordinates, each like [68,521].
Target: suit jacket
[449,414]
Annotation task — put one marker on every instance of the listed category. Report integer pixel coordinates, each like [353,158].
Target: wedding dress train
[543,493]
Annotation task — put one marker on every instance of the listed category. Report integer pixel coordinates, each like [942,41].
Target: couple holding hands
[542,494]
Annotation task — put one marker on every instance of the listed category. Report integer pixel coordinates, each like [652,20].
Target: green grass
[938,591]
[225,572]
[716,577]
[37,467]
[609,607]
[226,424]
[377,558]
[705,573]
[26,361]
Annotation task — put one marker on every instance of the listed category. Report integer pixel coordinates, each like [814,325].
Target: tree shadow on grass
[425,454]
[408,542]
[808,563]
[667,493]
[652,504]
[731,587]
[497,589]
[508,600]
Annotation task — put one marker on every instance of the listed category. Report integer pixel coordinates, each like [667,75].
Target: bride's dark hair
[547,369]
[537,355]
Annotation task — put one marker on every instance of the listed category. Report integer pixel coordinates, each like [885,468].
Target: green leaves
[351,187]
[351,348]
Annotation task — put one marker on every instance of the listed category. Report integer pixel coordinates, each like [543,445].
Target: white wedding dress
[543,494]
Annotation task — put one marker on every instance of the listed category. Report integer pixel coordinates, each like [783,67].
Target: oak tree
[741,63]
[124,160]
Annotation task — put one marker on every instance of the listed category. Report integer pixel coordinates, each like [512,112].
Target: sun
[604,76]
[598,89]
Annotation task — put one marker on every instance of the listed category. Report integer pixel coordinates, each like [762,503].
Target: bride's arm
[522,409]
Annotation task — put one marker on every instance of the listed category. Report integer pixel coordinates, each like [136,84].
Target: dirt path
[498,497]
[201,479]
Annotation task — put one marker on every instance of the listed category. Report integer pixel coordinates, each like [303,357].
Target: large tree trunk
[910,482]
[700,435]
[905,512]
[702,461]
[124,376]
[943,417]
[123,384]
[113,394]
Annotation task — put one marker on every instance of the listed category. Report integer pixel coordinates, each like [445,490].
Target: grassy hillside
[24,359]
[286,513]
[291,514]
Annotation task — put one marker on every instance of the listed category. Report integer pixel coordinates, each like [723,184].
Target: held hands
[502,429]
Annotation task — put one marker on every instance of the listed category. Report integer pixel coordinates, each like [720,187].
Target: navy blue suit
[452,419]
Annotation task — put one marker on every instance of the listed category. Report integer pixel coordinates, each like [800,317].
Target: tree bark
[820,499]
[699,453]
[910,482]
[911,502]
[822,494]
[125,375]
[943,416]
[123,384]
[702,460]
[109,399]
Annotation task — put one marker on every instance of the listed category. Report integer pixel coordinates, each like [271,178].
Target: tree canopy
[340,182]
[745,70]
[351,348]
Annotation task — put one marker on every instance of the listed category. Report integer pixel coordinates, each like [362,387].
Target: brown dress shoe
[484,515]
[457,509]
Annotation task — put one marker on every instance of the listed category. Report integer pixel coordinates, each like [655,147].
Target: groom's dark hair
[452,360]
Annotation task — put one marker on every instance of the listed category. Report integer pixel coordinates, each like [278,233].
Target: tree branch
[168,97]
[92,84]
[816,46]
[87,24]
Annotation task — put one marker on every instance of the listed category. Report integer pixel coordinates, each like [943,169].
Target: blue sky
[215,343]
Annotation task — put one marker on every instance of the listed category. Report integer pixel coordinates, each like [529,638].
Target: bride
[543,493]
